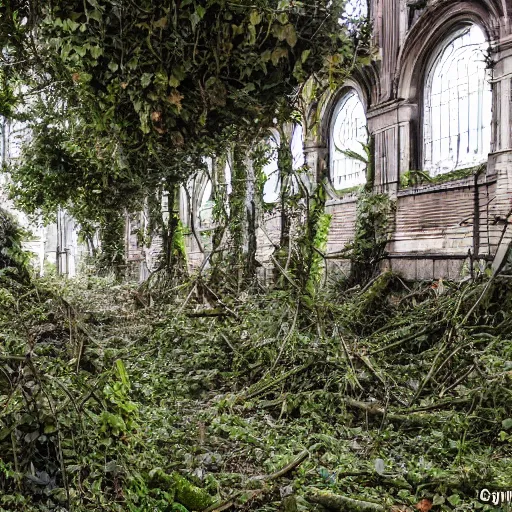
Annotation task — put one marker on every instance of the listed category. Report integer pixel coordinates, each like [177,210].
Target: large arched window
[356,9]
[348,134]
[457,104]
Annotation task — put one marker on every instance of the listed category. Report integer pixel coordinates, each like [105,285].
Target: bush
[12,255]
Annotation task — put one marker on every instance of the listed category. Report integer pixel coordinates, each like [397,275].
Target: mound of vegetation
[393,397]
[11,253]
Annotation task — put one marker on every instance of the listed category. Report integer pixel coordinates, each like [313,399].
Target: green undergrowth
[392,397]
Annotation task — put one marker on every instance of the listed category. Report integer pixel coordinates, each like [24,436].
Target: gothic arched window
[348,133]
[457,104]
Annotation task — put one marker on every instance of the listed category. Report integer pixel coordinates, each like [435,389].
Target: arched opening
[205,210]
[457,103]
[348,134]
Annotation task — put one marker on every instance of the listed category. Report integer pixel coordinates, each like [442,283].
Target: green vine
[367,250]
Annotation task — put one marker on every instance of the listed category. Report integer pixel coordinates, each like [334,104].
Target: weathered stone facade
[439,226]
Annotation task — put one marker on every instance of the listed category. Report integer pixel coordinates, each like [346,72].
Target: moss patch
[413,178]
[349,190]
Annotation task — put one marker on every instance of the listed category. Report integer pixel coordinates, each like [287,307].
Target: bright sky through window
[348,132]
[457,104]
[271,171]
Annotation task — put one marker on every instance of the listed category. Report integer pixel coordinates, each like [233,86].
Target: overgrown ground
[393,397]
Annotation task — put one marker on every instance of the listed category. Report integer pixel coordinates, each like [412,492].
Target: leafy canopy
[124,95]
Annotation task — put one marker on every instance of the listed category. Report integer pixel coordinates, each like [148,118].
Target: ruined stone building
[437,100]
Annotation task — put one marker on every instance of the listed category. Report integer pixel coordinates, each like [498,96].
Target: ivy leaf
[255,18]
[80,50]
[278,32]
[96,15]
[298,71]
[161,23]
[290,35]
[71,25]
[237,29]
[251,34]
[194,20]
[282,18]
[132,63]
[179,72]
[278,54]
[95,51]
[173,81]
[49,429]
[161,79]
[266,56]
[201,11]
[305,55]
[145,79]
[507,424]
[113,66]
[454,499]
[437,500]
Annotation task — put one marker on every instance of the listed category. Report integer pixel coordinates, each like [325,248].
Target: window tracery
[457,104]
[348,134]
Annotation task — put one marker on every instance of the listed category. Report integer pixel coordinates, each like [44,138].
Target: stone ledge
[443,187]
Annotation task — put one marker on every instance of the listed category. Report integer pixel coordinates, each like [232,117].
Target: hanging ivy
[151,84]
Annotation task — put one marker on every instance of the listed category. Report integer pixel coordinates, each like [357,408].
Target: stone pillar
[393,124]
[500,160]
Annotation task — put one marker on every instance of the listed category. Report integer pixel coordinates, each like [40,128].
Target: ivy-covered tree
[125,97]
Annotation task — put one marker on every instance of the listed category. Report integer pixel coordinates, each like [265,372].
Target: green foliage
[307,264]
[414,178]
[13,259]
[8,99]
[366,251]
[398,394]
[128,95]
[319,245]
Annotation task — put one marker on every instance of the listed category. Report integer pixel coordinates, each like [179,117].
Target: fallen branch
[376,409]
[229,502]
[281,472]
[260,387]
[342,503]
